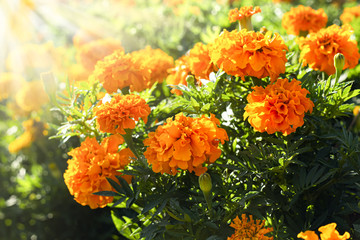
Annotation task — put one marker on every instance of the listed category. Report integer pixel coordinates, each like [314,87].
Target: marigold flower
[10,83]
[252,230]
[200,62]
[34,129]
[121,113]
[303,19]
[243,15]
[178,74]
[248,53]
[157,61]
[89,167]
[186,143]
[84,36]
[31,96]
[89,53]
[280,107]
[318,49]
[328,232]
[119,70]
[349,14]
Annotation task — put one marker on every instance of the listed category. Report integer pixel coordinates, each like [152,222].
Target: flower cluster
[328,232]
[279,107]
[186,143]
[248,53]
[91,164]
[349,14]
[303,19]
[252,230]
[318,49]
[121,113]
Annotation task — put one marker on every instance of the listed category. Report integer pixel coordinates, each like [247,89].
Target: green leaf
[107,194]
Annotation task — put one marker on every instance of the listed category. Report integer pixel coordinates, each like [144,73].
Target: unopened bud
[205,182]
[49,82]
[190,80]
[339,62]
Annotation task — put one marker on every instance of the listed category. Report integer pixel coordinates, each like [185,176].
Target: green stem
[130,143]
[208,200]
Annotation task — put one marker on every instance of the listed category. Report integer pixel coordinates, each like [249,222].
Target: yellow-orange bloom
[303,19]
[252,230]
[200,62]
[178,74]
[31,96]
[89,53]
[121,113]
[248,53]
[318,49]
[10,83]
[34,129]
[328,232]
[280,107]
[349,14]
[243,13]
[186,143]
[157,61]
[89,167]
[119,70]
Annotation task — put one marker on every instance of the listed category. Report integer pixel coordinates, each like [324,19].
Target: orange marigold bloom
[349,14]
[10,83]
[303,19]
[328,232]
[31,96]
[186,143]
[89,53]
[318,49]
[200,62]
[121,113]
[119,70]
[251,230]
[248,53]
[179,73]
[89,167]
[280,107]
[34,129]
[243,15]
[157,61]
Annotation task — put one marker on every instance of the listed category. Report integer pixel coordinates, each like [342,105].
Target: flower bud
[205,182]
[49,82]
[339,62]
[190,80]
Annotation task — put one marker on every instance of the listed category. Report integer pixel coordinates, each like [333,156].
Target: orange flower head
[34,129]
[349,14]
[32,96]
[200,62]
[328,232]
[280,107]
[119,70]
[248,53]
[252,230]
[318,49]
[157,61]
[121,113]
[243,15]
[89,167]
[89,53]
[186,143]
[10,83]
[300,20]
[178,74]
